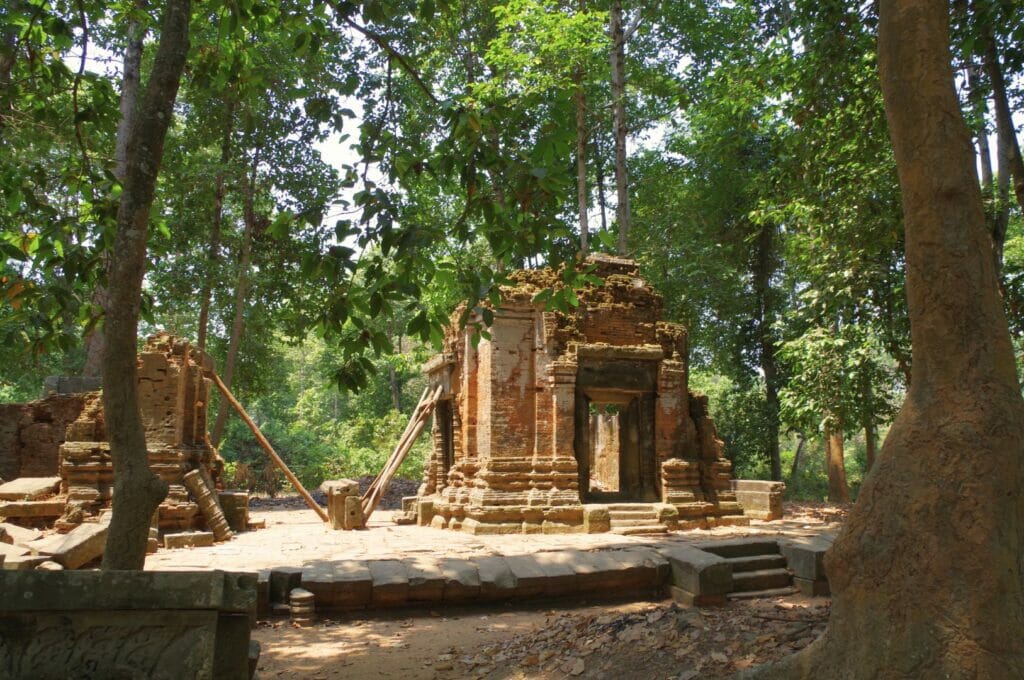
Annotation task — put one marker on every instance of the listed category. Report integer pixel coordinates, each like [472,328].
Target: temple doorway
[614,438]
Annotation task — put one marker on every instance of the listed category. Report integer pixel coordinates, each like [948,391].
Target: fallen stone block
[188,539]
[16,535]
[29,488]
[32,509]
[75,548]
[50,565]
[346,584]
[390,582]
[12,550]
[23,562]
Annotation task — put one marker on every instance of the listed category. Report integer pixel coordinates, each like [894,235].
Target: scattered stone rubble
[577,421]
[64,436]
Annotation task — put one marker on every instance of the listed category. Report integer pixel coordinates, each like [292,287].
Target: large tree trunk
[926,574]
[213,249]
[131,75]
[618,66]
[838,489]
[764,269]
[137,491]
[241,293]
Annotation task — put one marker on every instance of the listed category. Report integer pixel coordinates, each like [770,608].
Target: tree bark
[241,292]
[764,269]
[618,70]
[926,574]
[838,489]
[131,75]
[137,491]
[213,250]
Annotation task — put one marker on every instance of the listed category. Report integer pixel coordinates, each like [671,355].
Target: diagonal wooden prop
[267,447]
[418,421]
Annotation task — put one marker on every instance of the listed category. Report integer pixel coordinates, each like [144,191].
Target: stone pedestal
[235,505]
[344,506]
[759,499]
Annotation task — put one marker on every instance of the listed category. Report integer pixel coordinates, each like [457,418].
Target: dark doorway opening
[614,431]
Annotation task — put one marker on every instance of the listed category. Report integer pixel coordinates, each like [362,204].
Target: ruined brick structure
[560,419]
[31,434]
[173,395]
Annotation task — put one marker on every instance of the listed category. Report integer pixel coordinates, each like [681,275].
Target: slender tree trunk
[241,292]
[213,251]
[581,161]
[599,169]
[618,67]
[793,479]
[1009,148]
[870,445]
[979,102]
[131,74]
[137,491]
[838,489]
[926,574]
[764,269]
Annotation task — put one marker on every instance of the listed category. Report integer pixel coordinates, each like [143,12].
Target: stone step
[634,522]
[762,579]
[756,594]
[640,529]
[756,563]
[632,514]
[630,507]
[741,547]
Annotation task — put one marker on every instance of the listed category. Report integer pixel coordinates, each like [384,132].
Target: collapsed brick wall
[31,434]
[173,398]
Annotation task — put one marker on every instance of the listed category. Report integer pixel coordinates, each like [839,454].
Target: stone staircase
[630,519]
[758,568]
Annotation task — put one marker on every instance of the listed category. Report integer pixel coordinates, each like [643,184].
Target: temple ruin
[56,454]
[573,421]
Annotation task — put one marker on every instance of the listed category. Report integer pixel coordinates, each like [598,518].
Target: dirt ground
[636,640]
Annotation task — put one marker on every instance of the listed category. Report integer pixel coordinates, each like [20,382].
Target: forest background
[738,150]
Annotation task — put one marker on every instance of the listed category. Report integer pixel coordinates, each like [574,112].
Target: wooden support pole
[268,448]
[417,423]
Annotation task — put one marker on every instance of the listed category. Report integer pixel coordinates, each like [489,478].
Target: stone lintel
[602,350]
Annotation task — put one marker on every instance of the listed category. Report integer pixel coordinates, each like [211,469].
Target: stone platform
[389,565]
